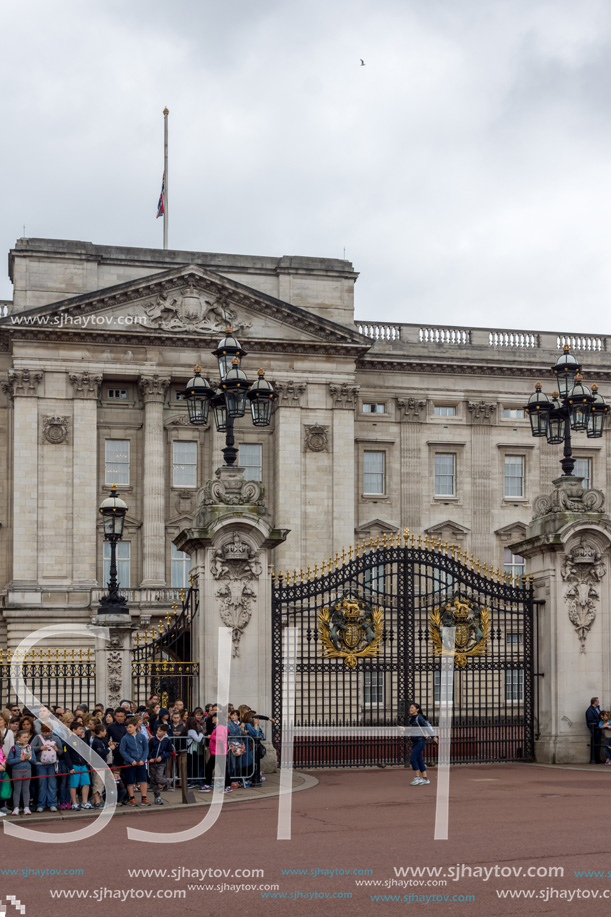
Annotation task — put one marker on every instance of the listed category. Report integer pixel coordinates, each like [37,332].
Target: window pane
[583,470]
[117,461]
[513,413]
[514,475]
[444,474]
[514,686]
[123,557]
[251,460]
[514,563]
[184,464]
[444,410]
[181,565]
[373,472]
[373,408]
[373,688]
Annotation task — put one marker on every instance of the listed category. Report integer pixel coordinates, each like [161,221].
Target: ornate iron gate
[161,658]
[368,643]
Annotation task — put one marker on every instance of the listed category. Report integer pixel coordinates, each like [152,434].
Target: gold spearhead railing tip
[413,539]
[350,552]
[315,571]
[419,541]
[426,540]
[384,540]
[280,576]
[531,579]
[343,555]
[301,575]
[309,573]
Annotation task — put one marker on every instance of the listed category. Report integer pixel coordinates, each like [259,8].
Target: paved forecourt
[350,828]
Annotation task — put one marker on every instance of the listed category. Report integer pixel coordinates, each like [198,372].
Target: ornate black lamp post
[229,398]
[572,407]
[113,510]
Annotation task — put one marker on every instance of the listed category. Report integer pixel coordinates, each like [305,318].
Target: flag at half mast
[160,205]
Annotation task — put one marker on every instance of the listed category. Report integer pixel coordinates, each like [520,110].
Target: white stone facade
[378,426]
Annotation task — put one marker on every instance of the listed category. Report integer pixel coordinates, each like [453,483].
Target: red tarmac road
[500,816]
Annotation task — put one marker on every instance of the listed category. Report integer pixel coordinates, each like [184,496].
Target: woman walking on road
[416,759]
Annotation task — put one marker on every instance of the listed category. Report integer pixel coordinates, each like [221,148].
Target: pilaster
[23,386]
[85,387]
[153,389]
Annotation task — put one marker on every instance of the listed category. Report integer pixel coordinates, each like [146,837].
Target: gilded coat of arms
[472,629]
[351,630]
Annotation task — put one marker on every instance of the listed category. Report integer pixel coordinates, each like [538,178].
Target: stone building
[378,426]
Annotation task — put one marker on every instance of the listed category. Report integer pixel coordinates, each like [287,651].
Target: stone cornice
[472,367]
[85,384]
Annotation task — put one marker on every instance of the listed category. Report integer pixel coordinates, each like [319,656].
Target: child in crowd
[46,751]
[134,751]
[19,760]
[100,747]
[160,751]
[78,768]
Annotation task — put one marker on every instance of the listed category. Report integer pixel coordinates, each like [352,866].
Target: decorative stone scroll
[569,497]
[230,489]
[191,310]
[153,388]
[316,438]
[413,409]
[582,571]
[236,566]
[344,395]
[55,429]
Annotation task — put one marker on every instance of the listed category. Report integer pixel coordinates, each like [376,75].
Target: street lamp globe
[235,386]
[261,396]
[219,409]
[580,400]
[197,394]
[565,370]
[113,510]
[228,350]
[596,418]
[555,423]
[538,410]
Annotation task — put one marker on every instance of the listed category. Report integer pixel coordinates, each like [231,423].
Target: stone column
[288,471]
[153,389]
[23,386]
[85,387]
[113,656]
[482,415]
[344,398]
[412,412]
[568,550]
[230,543]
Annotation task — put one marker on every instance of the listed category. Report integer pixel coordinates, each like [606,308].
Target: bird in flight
[362,62]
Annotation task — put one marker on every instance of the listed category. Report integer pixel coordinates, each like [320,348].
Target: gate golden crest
[351,630]
[472,629]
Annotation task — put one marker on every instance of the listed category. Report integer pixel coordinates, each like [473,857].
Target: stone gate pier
[567,549]
[231,543]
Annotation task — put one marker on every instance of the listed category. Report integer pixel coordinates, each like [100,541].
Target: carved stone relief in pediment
[192,310]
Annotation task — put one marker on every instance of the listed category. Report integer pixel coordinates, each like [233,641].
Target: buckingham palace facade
[378,426]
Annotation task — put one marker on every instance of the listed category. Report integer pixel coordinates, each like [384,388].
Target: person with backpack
[46,751]
[416,759]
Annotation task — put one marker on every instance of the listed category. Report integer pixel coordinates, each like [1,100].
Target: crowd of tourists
[43,766]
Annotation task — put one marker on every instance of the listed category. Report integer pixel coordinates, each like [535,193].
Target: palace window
[513,413]
[514,475]
[123,561]
[445,474]
[444,410]
[583,469]
[184,464]
[116,461]
[251,460]
[181,565]
[373,472]
[514,686]
[373,688]
[370,407]
[514,563]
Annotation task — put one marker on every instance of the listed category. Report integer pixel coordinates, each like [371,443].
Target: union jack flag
[160,207]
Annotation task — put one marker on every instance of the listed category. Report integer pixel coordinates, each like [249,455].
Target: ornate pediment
[187,301]
[448,530]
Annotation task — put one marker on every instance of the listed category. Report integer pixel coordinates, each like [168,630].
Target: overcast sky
[465,168]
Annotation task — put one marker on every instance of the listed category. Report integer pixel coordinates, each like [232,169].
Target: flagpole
[165,169]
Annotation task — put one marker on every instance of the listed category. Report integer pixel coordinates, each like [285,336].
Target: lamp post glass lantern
[230,396]
[572,408]
[113,511]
